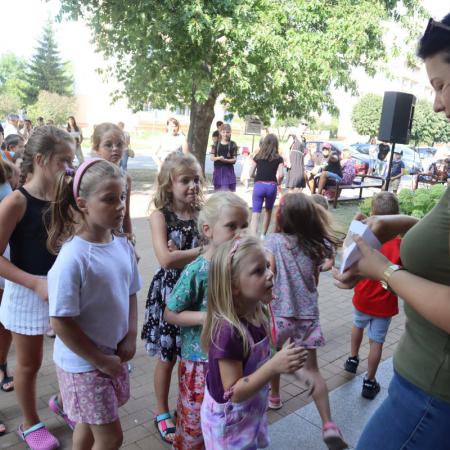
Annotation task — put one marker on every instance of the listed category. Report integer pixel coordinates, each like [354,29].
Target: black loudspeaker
[396,117]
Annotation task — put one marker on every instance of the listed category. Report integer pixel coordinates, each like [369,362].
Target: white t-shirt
[9,129]
[168,144]
[92,283]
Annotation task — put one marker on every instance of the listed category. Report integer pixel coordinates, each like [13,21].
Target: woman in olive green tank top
[416,413]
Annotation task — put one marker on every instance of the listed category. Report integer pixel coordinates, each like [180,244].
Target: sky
[22,22]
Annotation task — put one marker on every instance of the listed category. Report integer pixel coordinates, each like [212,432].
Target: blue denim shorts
[334,176]
[378,326]
[408,419]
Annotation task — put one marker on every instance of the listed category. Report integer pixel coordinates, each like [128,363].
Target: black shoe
[370,389]
[351,364]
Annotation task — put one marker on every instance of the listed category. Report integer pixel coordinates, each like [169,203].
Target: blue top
[397,167]
[5,189]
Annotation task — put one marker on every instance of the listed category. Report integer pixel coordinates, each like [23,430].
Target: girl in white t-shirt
[93,310]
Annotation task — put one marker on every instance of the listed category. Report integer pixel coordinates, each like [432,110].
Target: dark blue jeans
[409,419]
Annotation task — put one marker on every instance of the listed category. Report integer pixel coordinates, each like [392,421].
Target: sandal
[275,402]
[56,407]
[163,430]
[38,437]
[7,380]
[332,437]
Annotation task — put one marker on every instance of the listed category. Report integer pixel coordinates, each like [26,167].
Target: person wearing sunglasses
[416,413]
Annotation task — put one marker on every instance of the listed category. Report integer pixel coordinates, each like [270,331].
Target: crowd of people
[234,310]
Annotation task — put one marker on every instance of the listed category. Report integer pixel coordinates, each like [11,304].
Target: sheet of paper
[350,251]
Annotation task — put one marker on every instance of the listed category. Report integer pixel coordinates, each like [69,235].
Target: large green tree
[46,71]
[366,114]
[13,81]
[263,56]
[428,127]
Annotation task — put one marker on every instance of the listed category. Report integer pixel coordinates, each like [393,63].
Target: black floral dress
[162,338]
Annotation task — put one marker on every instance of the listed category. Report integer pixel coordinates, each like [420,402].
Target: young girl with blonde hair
[297,251]
[236,336]
[175,238]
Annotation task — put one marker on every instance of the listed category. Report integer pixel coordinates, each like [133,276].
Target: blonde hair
[212,208]
[65,215]
[100,130]
[224,270]
[174,165]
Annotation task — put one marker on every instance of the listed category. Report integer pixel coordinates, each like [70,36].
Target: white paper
[350,251]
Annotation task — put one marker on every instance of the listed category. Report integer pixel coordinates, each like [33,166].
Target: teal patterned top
[190,293]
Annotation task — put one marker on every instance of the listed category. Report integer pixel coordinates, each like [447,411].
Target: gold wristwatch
[387,275]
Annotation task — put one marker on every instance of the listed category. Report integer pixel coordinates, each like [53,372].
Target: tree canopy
[46,71]
[262,56]
[366,115]
[13,83]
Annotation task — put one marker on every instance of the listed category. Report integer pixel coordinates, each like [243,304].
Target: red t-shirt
[370,297]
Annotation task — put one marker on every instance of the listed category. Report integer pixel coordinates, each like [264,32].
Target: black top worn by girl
[228,151]
[28,241]
[267,170]
[334,165]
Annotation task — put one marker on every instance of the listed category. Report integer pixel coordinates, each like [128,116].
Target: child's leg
[266,223]
[320,393]
[29,350]
[82,437]
[275,386]
[357,337]
[255,222]
[374,358]
[108,436]
[162,378]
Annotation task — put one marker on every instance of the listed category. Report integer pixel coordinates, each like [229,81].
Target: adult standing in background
[373,156]
[172,141]
[75,131]
[295,162]
[416,413]
[27,129]
[12,125]
[126,149]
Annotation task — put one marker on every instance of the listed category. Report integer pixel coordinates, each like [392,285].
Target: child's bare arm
[127,346]
[184,318]
[176,259]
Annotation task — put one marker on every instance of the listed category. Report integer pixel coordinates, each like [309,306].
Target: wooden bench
[360,184]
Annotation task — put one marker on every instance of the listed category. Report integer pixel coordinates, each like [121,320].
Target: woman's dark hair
[269,148]
[75,125]
[435,40]
[299,216]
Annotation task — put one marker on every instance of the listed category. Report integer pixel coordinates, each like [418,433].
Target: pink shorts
[305,332]
[93,397]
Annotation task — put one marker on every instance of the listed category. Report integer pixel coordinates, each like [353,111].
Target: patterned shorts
[305,332]
[93,397]
[191,383]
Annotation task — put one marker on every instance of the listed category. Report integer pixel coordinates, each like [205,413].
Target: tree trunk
[202,115]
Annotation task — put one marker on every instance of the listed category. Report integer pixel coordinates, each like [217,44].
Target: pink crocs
[56,407]
[332,437]
[38,437]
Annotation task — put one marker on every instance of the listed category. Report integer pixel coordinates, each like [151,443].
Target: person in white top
[172,141]
[11,126]
[92,301]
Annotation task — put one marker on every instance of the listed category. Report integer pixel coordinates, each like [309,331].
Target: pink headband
[80,172]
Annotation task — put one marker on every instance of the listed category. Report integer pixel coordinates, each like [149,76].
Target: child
[246,166]
[297,250]
[93,310]
[13,148]
[224,156]
[348,168]
[222,217]
[177,200]
[108,142]
[374,305]
[397,171]
[24,308]
[236,335]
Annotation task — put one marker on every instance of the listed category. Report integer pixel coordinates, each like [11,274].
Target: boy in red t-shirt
[374,306]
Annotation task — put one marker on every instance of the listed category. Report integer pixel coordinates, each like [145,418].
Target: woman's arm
[431,300]
[288,360]
[76,340]
[176,259]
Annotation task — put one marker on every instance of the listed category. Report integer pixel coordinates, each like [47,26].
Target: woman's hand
[371,265]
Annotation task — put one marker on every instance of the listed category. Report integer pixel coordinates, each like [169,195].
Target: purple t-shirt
[227,344]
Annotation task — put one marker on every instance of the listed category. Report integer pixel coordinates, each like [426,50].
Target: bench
[359,182]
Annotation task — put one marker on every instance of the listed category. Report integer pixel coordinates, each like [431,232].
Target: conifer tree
[46,71]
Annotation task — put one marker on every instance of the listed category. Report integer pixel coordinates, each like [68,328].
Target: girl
[268,172]
[297,250]
[246,167]
[224,156]
[24,308]
[75,131]
[222,217]
[177,200]
[108,142]
[93,310]
[13,148]
[233,413]
[331,172]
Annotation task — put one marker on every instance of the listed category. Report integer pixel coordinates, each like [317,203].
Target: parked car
[410,157]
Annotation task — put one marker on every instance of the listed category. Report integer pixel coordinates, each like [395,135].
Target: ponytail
[64,211]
